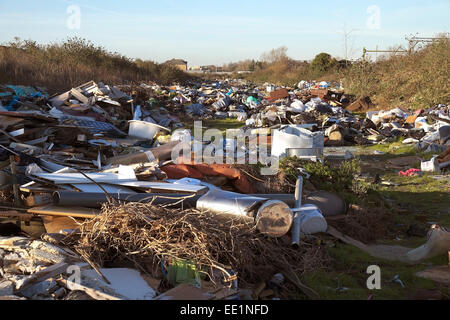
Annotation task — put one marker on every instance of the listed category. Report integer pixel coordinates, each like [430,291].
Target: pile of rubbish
[35,269]
[318,108]
[91,173]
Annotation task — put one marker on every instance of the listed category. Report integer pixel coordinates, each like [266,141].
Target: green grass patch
[422,194]
[423,200]
[220,124]
[394,148]
[347,279]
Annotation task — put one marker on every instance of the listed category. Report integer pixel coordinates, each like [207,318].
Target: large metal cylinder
[95,200]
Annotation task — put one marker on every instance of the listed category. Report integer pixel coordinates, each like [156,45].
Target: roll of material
[311,220]
[226,202]
[96,200]
[274,218]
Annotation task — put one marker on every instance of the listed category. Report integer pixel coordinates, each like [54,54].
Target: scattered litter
[397,279]
[96,165]
[409,173]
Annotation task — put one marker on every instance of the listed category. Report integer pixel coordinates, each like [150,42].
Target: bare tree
[275,55]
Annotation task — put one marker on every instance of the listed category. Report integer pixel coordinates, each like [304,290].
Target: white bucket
[144,130]
[311,220]
[430,166]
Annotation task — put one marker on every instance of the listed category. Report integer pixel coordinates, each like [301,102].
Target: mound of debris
[101,166]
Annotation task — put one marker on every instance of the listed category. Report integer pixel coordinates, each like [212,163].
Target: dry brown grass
[416,80]
[60,66]
[285,72]
[364,223]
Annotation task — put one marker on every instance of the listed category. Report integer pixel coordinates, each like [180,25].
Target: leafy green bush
[324,176]
[322,63]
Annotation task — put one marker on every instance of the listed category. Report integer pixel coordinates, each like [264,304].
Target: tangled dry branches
[147,235]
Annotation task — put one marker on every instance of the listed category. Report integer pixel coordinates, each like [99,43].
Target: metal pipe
[273,217]
[95,200]
[160,153]
[298,204]
[289,199]
[226,202]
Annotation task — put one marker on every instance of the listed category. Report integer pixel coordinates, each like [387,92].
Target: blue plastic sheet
[23,91]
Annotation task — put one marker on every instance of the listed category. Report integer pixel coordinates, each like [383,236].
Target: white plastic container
[296,137]
[144,130]
[311,220]
[430,166]
[270,88]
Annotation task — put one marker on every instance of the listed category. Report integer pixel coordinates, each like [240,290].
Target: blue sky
[215,32]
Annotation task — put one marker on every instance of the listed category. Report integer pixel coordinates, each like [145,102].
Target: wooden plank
[29,115]
[97,295]
[6,122]
[79,96]
[42,275]
[346,239]
[75,212]
[15,214]
[9,298]
[57,224]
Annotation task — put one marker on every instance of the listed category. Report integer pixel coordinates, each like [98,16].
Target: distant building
[211,68]
[206,68]
[178,63]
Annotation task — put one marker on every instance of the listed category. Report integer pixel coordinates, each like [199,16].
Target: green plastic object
[183,271]
[252,99]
